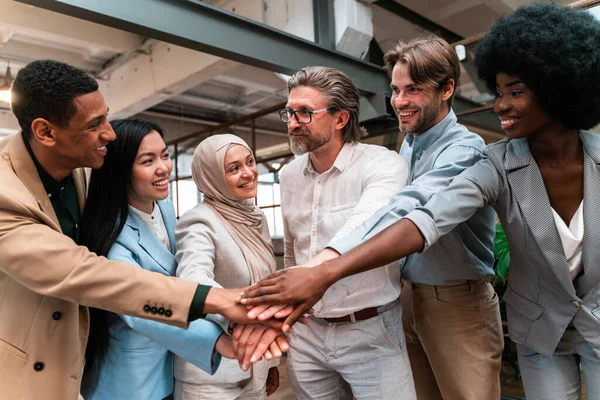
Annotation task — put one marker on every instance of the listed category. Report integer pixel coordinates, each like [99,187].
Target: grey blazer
[542,299]
[206,253]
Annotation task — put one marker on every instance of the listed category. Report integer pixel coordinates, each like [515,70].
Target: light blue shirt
[435,158]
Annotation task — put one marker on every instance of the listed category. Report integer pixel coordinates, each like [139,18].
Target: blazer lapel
[166,209]
[25,169]
[591,214]
[81,179]
[151,245]
[528,187]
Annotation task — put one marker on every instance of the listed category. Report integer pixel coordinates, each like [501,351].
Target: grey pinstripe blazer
[541,297]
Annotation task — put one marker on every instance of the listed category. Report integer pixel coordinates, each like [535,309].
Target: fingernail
[251,314]
[243,301]
[253,359]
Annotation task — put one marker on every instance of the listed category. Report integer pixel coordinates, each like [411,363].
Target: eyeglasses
[302,116]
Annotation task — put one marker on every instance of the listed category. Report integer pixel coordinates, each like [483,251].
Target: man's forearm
[395,242]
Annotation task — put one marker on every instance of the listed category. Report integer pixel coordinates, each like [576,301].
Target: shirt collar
[154,217]
[51,185]
[342,161]
[431,135]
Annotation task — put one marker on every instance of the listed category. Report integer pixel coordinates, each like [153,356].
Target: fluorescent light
[276,165]
[5,96]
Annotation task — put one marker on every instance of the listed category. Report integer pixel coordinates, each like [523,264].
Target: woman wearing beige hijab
[224,241]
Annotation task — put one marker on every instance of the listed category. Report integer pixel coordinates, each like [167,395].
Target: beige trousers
[454,340]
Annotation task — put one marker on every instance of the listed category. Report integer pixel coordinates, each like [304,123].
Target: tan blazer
[47,282]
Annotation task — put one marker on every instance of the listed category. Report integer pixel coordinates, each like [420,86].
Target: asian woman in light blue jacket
[129,218]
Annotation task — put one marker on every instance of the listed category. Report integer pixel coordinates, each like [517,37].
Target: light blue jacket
[139,362]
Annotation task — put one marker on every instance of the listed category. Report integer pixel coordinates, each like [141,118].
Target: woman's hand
[224,346]
[252,342]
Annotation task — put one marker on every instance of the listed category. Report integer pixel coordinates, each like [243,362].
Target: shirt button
[38,366]
[56,315]
[576,303]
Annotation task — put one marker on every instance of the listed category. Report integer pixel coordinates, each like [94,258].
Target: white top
[572,239]
[156,224]
[317,207]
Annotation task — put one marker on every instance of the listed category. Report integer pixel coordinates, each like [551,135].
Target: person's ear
[44,132]
[448,89]
[342,119]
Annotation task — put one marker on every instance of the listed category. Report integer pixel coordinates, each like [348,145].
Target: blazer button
[147,308]
[168,313]
[38,366]
[56,315]
[161,311]
[154,310]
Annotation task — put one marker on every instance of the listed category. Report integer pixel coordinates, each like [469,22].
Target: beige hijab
[244,221]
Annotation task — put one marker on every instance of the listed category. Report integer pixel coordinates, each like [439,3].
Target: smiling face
[82,143]
[520,113]
[150,173]
[305,138]
[418,108]
[241,173]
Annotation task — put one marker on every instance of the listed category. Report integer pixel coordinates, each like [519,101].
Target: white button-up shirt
[318,207]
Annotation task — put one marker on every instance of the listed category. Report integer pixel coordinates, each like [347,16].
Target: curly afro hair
[555,51]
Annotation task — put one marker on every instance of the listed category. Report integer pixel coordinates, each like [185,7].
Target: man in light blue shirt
[450,311]
[451,317]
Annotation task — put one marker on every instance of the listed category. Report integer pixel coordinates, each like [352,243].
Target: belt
[355,316]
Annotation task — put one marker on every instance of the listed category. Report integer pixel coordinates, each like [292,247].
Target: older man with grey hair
[354,343]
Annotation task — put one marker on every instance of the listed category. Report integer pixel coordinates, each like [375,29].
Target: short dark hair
[430,61]
[106,212]
[554,50]
[46,89]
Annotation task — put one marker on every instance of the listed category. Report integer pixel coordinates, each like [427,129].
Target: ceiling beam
[417,19]
[202,27]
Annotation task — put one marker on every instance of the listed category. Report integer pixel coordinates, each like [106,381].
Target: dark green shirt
[63,197]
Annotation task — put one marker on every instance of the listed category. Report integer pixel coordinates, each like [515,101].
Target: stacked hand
[301,287]
[259,329]
[252,342]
